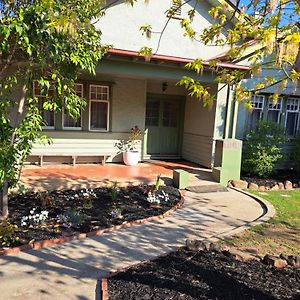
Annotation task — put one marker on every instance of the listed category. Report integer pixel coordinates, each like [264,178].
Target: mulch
[204,275]
[95,207]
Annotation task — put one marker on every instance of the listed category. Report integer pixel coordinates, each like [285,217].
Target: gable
[121,28]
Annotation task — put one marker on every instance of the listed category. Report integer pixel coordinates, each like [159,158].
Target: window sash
[48,116]
[99,94]
[257,102]
[68,122]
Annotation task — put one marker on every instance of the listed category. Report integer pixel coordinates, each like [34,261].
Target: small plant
[71,218]
[22,188]
[114,191]
[88,204]
[157,183]
[263,149]
[152,198]
[116,213]
[295,154]
[130,144]
[46,199]
[8,234]
[34,219]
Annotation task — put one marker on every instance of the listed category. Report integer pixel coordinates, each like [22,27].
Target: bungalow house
[128,90]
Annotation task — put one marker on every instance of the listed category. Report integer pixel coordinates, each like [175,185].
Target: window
[152,113]
[292,116]
[274,111]
[68,121]
[175,9]
[99,107]
[258,106]
[48,116]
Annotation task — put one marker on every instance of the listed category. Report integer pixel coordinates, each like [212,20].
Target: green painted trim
[149,70]
[182,101]
[228,113]
[235,116]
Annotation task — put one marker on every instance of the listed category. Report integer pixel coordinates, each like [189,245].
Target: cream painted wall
[198,132]
[121,28]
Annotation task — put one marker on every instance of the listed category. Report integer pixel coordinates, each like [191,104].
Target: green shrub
[8,234]
[263,149]
[295,154]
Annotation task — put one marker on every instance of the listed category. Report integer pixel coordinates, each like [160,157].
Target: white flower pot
[131,158]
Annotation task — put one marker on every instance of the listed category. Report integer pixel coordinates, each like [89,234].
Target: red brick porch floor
[53,177]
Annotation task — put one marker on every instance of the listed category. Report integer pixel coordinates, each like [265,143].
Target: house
[128,90]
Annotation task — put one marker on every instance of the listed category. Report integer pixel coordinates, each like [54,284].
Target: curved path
[72,270]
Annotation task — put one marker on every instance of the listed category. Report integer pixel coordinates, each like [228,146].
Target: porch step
[212,188]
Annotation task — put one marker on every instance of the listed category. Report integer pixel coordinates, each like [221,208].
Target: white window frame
[63,115]
[275,107]
[39,96]
[103,101]
[297,110]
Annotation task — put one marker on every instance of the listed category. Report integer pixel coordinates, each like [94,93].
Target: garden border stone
[52,242]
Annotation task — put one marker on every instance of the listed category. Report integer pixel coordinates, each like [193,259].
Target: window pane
[48,116]
[99,115]
[152,113]
[273,116]
[70,122]
[99,92]
[254,118]
[291,122]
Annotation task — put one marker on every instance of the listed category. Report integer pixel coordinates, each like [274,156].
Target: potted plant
[128,147]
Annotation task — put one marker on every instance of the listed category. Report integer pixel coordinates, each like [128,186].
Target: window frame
[42,96]
[254,108]
[287,111]
[63,115]
[272,108]
[101,101]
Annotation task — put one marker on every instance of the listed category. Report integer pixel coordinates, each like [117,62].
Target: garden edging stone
[52,242]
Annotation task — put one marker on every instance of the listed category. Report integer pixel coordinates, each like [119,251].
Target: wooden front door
[163,126]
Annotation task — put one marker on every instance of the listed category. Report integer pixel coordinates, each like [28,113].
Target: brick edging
[52,242]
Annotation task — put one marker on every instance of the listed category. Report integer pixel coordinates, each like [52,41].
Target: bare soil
[204,275]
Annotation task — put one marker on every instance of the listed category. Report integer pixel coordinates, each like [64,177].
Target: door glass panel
[170,114]
[152,113]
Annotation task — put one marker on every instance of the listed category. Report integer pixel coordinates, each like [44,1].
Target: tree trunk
[4,200]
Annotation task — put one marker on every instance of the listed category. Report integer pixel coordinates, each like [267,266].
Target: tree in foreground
[271,28]
[45,43]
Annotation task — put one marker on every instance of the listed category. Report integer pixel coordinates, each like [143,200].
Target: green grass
[280,234]
[287,208]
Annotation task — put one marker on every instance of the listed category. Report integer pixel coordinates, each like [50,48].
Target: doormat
[207,188]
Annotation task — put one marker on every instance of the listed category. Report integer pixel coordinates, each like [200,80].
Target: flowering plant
[34,218]
[130,144]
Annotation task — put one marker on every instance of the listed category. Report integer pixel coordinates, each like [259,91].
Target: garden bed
[47,216]
[203,275]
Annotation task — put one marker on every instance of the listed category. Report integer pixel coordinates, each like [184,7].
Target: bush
[263,149]
[8,234]
[295,154]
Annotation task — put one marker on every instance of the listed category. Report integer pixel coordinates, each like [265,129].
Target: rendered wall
[121,27]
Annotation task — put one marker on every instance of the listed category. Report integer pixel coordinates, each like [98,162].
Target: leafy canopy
[47,42]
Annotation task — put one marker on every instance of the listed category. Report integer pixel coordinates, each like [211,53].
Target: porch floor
[53,177]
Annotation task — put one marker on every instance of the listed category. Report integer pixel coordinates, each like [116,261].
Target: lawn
[281,234]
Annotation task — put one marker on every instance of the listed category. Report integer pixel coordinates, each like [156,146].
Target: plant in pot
[128,147]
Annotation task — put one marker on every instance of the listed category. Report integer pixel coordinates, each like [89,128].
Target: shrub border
[49,243]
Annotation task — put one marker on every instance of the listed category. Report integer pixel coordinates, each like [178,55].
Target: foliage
[114,191]
[34,218]
[88,204]
[295,155]
[130,144]
[71,218]
[157,183]
[262,149]
[46,44]
[269,28]
[8,234]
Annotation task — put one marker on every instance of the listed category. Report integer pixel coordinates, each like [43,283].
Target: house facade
[127,90]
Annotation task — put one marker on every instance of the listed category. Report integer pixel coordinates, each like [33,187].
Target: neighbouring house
[128,90]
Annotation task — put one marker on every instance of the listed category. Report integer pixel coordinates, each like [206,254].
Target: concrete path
[73,270]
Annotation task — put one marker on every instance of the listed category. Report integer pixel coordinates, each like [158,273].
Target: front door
[163,126]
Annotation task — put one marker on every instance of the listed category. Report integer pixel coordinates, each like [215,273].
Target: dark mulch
[279,176]
[95,207]
[204,275]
